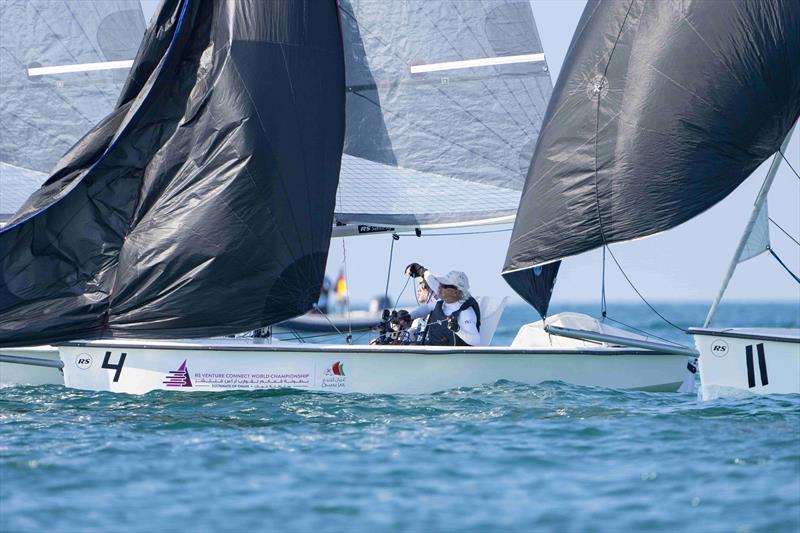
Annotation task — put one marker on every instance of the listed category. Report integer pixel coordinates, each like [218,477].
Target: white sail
[57,80]
[444,105]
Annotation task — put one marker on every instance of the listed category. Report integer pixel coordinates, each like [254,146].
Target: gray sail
[203,204]
[660,111]
[444,105]
[61,71]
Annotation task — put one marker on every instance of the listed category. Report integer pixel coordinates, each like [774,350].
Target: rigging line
[646,333]
[431,133]
[784,231]
[640,294]
[452,234]
[790,165]
[438,87]
[388,271]
[797,279]
[317,309]
[603,307]
[408,278]
[347,291]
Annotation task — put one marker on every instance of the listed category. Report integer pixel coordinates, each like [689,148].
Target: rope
[408,278]
[783,265]
[790,165]
[331,323]
[603,307]
[347,294]
[784,231]
[389,269]
[646,333]
[653,309]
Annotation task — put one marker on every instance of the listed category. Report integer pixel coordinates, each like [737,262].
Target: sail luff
[758,206]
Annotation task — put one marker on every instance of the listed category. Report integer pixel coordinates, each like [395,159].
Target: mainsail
[660,111]
[444,105]
[202,205]
[62,66]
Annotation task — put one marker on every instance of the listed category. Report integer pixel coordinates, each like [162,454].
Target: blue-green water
[499,457]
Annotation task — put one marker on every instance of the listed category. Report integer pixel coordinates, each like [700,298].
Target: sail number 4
[114,366]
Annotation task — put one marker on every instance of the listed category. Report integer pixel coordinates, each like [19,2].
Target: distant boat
[205,203]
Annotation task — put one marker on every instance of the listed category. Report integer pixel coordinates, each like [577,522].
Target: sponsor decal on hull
[334,377]
[178,378]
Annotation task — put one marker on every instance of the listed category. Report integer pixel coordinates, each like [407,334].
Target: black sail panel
[535,285]
[660,111]
[204,204]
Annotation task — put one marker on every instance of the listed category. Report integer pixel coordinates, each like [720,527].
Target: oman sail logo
[336,369]
[178,378]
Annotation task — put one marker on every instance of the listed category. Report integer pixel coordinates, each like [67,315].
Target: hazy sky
[686,263]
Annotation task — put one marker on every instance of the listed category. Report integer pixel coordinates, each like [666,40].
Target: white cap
[457,279]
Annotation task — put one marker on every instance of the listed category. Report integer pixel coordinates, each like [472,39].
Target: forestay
[660,111]
[62,66]
[444,105]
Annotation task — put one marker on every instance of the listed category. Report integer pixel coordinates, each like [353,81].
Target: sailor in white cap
[454,317]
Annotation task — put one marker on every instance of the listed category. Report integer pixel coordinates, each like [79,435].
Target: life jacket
[438,334]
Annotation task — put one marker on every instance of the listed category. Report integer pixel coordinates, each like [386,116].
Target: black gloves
[415,270]
[452,324]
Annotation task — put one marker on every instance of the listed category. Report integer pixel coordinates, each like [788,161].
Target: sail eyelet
[597,87]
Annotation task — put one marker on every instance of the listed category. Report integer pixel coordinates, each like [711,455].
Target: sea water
[500,457]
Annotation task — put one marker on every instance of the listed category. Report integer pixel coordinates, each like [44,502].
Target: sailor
[453,319]
[424,295]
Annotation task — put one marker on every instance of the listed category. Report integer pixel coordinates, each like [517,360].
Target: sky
[685,264]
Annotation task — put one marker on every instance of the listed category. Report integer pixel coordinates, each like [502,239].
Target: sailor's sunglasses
[443,286]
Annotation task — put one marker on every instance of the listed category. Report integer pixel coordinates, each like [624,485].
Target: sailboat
[651,127]
[204,204]
[755,360]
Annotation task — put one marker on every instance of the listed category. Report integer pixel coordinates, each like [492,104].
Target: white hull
[15,374]
[734,362]
[235,364]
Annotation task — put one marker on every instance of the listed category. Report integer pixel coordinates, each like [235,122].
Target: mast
[754,216]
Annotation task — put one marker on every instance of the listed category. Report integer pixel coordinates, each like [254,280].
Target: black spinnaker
[203,204]
[660,111]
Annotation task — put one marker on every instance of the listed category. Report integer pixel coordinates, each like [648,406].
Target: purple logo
[178,378]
